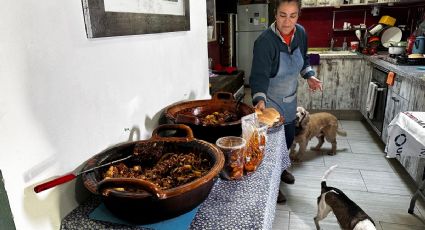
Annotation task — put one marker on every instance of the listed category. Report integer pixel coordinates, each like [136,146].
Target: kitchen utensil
[419,45]
[390,34]
[372,50]
[397,50]
[416,55]
[323,2]
[375,29]
[309,2]
[375,10]
[148,203]
[70,176]
[220,102]
[358,34]
[387,20]
[354,46]
[373,41]
[401,43]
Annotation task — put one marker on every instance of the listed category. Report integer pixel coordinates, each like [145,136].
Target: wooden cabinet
[307,99]
[405,96]
[395,105]
[341,78]
[397,101]
[349,73]
[417,97]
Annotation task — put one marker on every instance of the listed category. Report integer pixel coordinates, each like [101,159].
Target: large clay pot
[188,113]
[153,204]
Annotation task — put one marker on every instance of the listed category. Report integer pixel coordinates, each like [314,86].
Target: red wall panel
[318,21]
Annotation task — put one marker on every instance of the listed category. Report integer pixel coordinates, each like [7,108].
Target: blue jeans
[289,134]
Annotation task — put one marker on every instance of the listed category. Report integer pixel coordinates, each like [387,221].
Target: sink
[332,52]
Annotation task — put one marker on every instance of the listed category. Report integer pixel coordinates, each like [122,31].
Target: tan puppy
[321,125]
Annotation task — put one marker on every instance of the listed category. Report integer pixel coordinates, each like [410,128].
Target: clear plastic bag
[255,137]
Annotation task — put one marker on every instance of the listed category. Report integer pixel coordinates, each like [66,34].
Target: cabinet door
[330,79]
[395,105]
[349,72]
[340,80]
[402,86]
[417,98]
[305,97]
[320,100]
[364,85]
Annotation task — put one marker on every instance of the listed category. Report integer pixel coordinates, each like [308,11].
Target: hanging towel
[371,99]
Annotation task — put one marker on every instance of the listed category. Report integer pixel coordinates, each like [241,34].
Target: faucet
[332,43]
[344,44]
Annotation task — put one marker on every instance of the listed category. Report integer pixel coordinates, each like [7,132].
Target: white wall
[64,98]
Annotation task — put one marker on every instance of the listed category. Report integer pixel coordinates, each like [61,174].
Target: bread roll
[268,116]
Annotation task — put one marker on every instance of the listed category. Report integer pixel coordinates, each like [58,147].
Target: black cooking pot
[149,203]
[190,113]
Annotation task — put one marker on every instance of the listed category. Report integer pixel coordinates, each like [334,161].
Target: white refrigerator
[252,20]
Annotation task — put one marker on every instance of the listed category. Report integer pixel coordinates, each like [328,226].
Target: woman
[280,56]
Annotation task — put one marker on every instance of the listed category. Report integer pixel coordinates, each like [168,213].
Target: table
[406,137]
[249,203]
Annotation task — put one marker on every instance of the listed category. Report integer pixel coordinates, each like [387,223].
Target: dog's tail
[326,174]
[341,132]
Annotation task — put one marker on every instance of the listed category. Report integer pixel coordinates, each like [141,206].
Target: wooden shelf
[347,30]
[351,5]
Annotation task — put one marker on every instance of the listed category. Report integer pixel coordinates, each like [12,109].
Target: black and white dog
[349,214]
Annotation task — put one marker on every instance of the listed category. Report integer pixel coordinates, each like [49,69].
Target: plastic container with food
[233,150]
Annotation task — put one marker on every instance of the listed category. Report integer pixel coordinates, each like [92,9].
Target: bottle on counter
[344,44]
[410,42]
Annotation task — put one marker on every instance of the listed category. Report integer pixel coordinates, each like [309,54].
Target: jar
[233,149]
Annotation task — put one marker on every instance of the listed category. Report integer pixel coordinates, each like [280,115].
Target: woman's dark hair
[278,2]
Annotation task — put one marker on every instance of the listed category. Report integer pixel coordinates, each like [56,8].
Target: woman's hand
[314,84]
[261,105]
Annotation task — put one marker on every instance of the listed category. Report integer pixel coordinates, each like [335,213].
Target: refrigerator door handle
[237,46]
[236,23]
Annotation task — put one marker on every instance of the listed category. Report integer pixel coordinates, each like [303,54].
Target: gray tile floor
[380,186]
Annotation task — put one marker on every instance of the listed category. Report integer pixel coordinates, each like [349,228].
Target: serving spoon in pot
[141,149]
[134,133]
[70,176]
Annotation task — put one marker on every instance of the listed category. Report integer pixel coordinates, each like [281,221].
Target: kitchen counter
[249,203]
[406,71]
[232,83]
[328,54]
